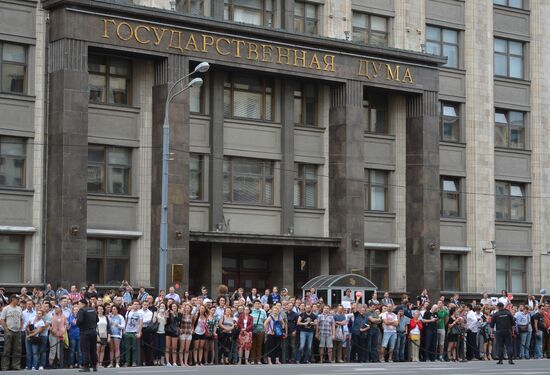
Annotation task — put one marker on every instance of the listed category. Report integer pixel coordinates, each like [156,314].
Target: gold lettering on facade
[207,40]
[329,63]
[363,70]
[136,33]
[105,28]
[176,45]
[280,55]
[252,51]
[301,58]
[238,44]
[392,74]
[376,66]
[219,49]
[314,64]
[191,42]
[407,77]
[267,53]
[158,37]
[124,36]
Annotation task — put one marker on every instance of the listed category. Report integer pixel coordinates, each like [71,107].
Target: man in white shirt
[146,337]
[390,321]
[472,329]
[172,295]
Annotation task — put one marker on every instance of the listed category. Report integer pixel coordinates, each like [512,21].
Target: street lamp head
[195,82]
[202,67]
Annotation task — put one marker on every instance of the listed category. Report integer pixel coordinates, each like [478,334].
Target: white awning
[17,230]
[381,246]
[455,249]
[113,233]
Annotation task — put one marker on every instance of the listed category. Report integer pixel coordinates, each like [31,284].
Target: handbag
[151,328]
[523,328]
[339,334]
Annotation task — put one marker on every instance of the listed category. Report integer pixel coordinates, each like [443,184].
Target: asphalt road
[532,367]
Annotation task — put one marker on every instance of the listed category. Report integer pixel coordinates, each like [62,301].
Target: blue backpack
[278,328]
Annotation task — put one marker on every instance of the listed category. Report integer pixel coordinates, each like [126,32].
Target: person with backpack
[258,333]
[274,327]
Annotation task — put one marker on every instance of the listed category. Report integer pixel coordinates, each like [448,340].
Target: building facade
[403,140]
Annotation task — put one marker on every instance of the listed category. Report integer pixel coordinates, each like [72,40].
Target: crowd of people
[88,329]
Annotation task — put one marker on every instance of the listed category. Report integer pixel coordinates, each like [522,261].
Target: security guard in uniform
[86,320]
[502,325]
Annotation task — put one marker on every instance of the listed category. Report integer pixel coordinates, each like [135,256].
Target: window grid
[511,201]
[107,259]
[306,17]
[509,3]
[13,68]
[305,185]
[450,272]
[305,105]
[509,129]
[195,176]
[508,58]
[376,190]
[254,12]
[450,122]
[109,80]
[511,273]
[12,253]
[443,42]
[370,29]
[248,181]
[108,172]
[194,7]
[246,88]
[375,107]
[12,162]
[377,268]
[450,197]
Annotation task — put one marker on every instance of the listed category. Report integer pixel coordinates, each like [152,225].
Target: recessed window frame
[510,3]
[105,256]
[507,124]
[265,179]
[508,57]
[105,166]
[108,60]
[7,143]
[6,62]
[196,173]
[449,120]
[370,186]
[443,44]
[508,267]
[266,10]
[373,264]
[376,113]
[450,190]
[509,195]
[266,91]
[16,252]
[304,19]
[193,7]
[366,31]
[305,177]
[451,266]
[306,105]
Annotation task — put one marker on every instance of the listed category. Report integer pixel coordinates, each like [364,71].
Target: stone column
[409,24]
[287,162]
[216,269]
[217,79]
[288,269]
[479,131]
[539,126]
[67,178]
[423,201]
[166,71]
[346,176]
[287,15]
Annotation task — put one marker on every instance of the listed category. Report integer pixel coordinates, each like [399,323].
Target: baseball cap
[206,300]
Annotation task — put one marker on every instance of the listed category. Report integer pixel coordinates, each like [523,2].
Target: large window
[375,107]
[12,162]
[194,7]
[109,169]
[248,181]
[108,261]
[306,17]
[450,197]
[443,42]
[195,176]
[511,274]
[369,29]
[305,185]
[510,201]
[109,79]
[509,129]
[450,272]
[376,190]
[377,268]
[305,105]
[450,122]
[13,68]
[508,56]
[12,249]
[509,3]
[248,96]
[254,12]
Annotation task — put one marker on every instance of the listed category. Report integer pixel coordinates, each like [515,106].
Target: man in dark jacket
[502,325]
[86,320]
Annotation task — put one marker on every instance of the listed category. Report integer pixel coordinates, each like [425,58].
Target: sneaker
[168,364]
[41,368]
[117,365]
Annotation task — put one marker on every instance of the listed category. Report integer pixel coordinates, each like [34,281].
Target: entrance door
[242,271]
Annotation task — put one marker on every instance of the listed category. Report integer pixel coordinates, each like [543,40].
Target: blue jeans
[74,348]
[372,340]
[399,353]
[538,344]
[306,338]
[44,348]
[524,341]
[32,354]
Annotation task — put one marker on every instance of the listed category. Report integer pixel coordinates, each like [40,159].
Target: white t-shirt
[504,300]
[132,321]
[388,315]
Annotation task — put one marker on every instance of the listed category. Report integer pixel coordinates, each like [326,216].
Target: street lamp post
[163,253]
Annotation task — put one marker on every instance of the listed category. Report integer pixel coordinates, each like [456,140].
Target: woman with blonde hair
[186,333]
